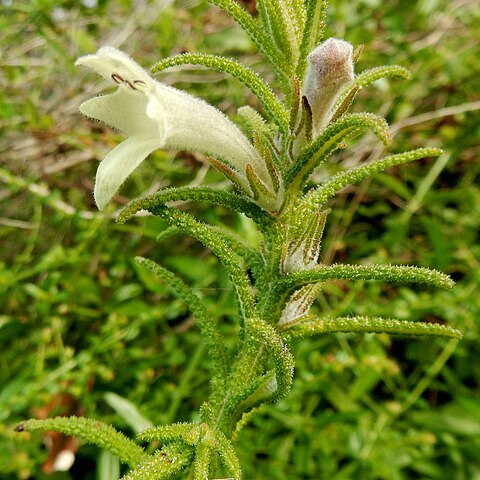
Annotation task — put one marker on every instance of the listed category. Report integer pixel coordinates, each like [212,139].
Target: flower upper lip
[154,116]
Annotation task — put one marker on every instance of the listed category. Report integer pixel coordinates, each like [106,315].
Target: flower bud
[329,69]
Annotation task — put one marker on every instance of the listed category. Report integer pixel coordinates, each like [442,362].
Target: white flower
[156,116]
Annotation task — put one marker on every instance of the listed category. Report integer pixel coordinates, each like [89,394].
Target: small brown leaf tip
[20,427]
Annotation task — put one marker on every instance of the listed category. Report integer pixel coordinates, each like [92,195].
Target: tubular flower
[156,116]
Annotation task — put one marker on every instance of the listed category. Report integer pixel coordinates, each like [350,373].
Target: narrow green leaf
[298,14]
[239,245]
[163,464]
[201,467]
[198,194]
[330,140]
[92,431]
[197,435]
[321,326]
[316,198]
[227,453]
[186,432]
[205,322]
[365,79]
[167,233]
[259,38]
[209,237]
[387,273]
[312,32]
[246,75]
[277,21]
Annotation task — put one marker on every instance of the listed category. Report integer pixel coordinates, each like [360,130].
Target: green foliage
[314,326]
[261,40]
[211,195]
[206,441]
[92,431]
[315,199]
[79,316]
[329,141]
[165,463]
[390,273]
[313,32]
[204,321]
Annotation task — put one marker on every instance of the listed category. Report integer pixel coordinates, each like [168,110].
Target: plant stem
[248,368]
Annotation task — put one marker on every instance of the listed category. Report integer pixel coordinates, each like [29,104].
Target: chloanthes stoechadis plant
[270,168]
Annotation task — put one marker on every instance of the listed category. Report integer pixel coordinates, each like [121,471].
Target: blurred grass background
[79,319]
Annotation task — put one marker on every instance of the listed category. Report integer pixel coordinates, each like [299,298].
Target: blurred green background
[78,319]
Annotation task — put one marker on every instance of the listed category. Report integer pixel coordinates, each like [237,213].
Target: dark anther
[139,82]
[117,78]
[127,82]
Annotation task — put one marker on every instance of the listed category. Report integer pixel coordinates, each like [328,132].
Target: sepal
[232,174]
[270,156]
[304,241]
[298,305]
[295,103]
[263,194]
[259,189]
[254,122]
